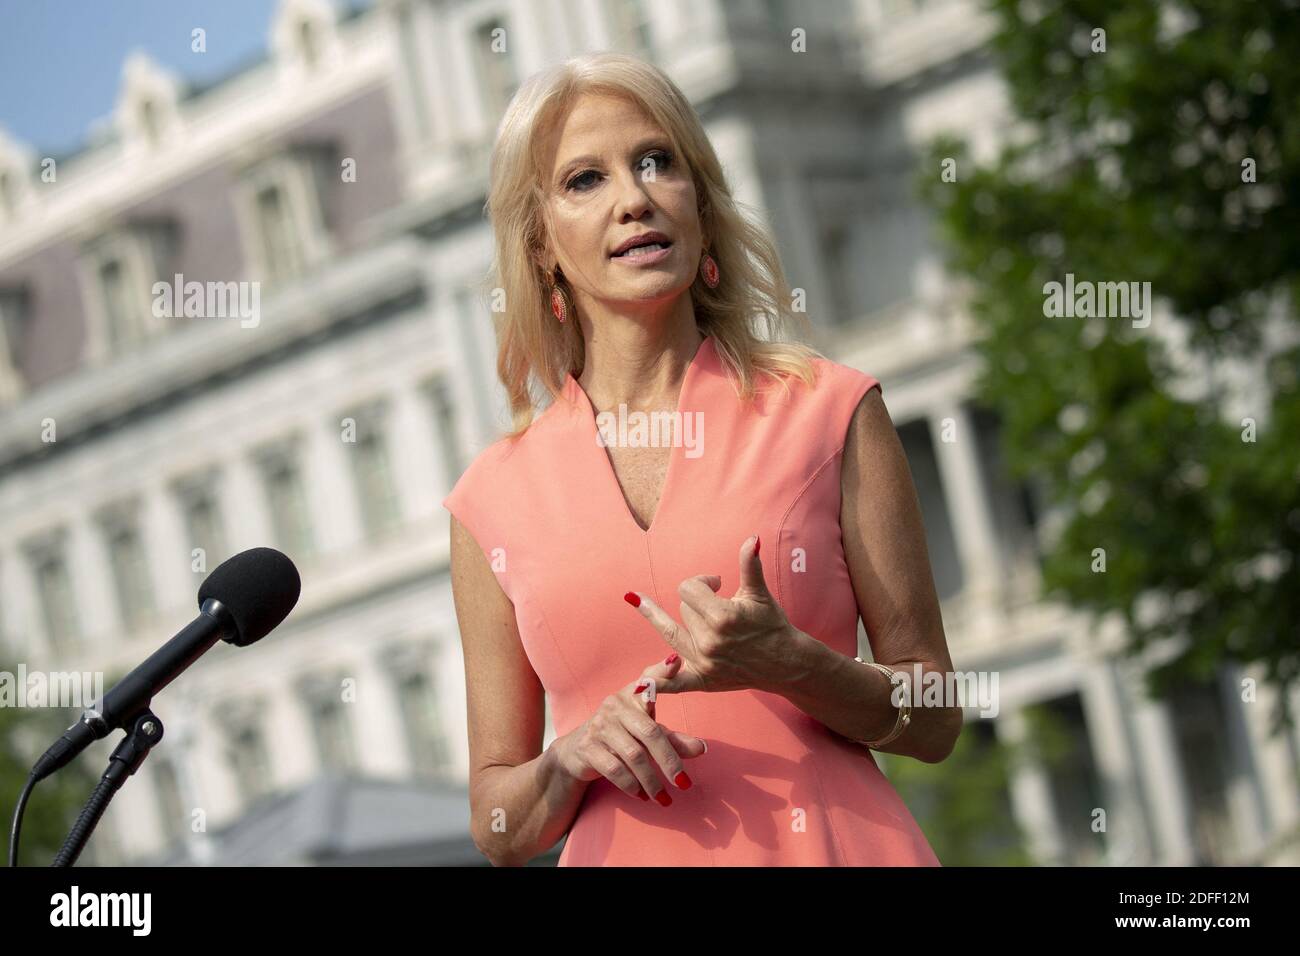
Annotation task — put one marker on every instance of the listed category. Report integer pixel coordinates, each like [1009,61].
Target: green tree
[56,801]
[961,804]
[1155,142]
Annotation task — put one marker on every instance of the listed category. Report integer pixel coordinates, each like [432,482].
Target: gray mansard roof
[344,821]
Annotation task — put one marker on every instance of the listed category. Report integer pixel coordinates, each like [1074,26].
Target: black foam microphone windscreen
[259,588]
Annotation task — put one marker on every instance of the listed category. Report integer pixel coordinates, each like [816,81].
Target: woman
[574,536]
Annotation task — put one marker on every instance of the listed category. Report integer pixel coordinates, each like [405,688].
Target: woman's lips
[644,258]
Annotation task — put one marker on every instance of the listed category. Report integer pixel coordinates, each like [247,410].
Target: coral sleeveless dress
[776,787]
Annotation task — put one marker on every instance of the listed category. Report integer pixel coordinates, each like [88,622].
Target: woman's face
[615,175]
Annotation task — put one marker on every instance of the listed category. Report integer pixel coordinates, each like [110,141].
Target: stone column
[162,532]
[968,502]
[242,498]
[409,431]
[326,463]
[1128,836]
[1275,768]
[290,740]
[184,736]
[1160,770]
[99,619]
[380,734]
[1031,795]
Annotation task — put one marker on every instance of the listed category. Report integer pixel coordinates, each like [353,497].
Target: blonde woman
[687,596]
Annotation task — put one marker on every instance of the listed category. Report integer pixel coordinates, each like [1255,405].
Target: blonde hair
[753,287]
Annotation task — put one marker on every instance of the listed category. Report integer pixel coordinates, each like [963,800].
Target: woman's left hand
[745,641]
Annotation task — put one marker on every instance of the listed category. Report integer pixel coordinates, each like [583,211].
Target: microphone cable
[18,819]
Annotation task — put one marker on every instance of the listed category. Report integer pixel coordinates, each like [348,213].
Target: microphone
[241,601]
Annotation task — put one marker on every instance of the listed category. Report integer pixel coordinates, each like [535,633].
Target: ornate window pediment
[118,270]
[146,114]
[286,209]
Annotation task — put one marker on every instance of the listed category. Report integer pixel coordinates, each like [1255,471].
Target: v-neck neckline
[586,410]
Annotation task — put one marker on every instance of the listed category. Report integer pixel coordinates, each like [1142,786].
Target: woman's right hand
[623,743]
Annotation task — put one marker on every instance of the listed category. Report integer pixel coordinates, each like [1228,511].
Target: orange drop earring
[559,300]
[709,270]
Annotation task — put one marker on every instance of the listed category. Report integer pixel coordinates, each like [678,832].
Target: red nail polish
[642,794]
[632,599]
[640,687]
[663,798]
[758,543]
[671,658]
[682,780]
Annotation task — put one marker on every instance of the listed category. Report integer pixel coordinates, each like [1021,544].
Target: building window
[54,594]
[8,196]
[496,70]
[128,564]
[308,45]
[171,808]
[201,513]
[125,323]
[331,724]
[372,473]
[149,126]
[1011,501]
[430,755]
[15,310]
[249,761]
[1060,742]
[837,254]
[286,500]
[280,252]
[448,442]
[1201,726]
[289,202]
[121,268]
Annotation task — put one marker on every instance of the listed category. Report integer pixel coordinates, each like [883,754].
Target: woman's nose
[633,198]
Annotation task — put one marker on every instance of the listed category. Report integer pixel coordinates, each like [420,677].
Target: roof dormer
[15,179]
[304,35]
[146,113]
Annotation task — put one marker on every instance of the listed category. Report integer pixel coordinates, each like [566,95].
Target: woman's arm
[521,801]
[889,563]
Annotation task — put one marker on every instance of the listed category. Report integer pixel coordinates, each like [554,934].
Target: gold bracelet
[904,712]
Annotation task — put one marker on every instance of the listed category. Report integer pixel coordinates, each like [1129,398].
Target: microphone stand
[146,731]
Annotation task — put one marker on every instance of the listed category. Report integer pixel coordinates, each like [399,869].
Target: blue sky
[61,60]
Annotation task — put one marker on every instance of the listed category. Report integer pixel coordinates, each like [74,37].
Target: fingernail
[632,598]
[642,794]
[682,780]
[663,798]
[671,658]
[706,744]
[757,544]
[640,687]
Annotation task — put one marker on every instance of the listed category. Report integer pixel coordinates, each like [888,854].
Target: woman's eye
[659,159]
[578,178]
